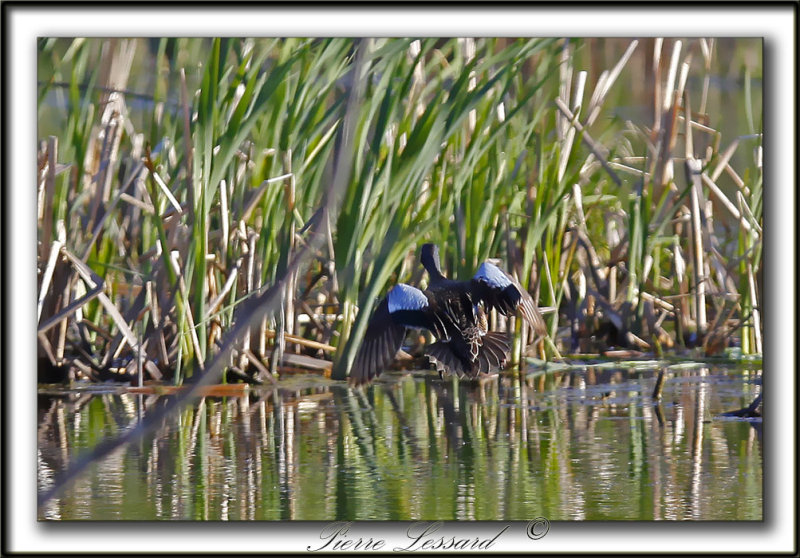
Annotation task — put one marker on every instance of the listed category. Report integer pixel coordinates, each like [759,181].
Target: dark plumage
[455,312]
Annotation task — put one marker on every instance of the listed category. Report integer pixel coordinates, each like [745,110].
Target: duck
[455,312]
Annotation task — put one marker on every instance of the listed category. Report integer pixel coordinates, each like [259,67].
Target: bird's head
[429,257]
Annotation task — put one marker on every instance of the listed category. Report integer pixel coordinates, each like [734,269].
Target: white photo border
[776,23]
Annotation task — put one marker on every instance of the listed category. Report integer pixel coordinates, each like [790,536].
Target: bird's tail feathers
[491,357]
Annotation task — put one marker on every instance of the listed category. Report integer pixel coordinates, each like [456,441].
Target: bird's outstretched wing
[403,307]
[498,290]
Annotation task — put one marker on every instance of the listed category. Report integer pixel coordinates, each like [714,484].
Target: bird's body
[455,312]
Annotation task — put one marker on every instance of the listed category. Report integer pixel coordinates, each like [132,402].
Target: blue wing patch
[491,274]
[405,297]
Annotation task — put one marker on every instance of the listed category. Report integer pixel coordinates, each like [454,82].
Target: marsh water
[576,444]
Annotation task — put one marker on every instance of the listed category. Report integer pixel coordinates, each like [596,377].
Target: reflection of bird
[455,312]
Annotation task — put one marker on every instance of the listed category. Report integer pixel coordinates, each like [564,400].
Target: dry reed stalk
[693,171]
[47,277]
[157,324]
[279,345]
[580,87]
[254,199]
[322,327]
[224,222]
[630,170]
[226,288]
[727,204]
[49,194]
[69,309]
[590,143]
[724,159]
[565,82]
[687,131]
[135,312]
[103,160]
[93,281]
[667,130]
[657,98]
[605,83]
[756,314]
[570,123]
[577,198]
[698,126]
[672,74]
[593,266]
[146,207]
[291,285]
[167,192]
[47,348]
[263,371]
[250,253]
[111,133]
[102,332]
[746,212]
[262,338]
[657,301]
[737,179]
[468,46]
[612,283]
[187,311]
[61,335]
[707,48]
[107,211]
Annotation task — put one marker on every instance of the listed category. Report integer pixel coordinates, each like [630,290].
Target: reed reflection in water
[574,445]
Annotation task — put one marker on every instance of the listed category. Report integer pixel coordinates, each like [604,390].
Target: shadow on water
[579,444]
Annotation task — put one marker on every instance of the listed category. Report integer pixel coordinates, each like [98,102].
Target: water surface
[588,444]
